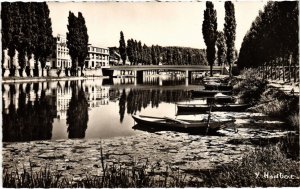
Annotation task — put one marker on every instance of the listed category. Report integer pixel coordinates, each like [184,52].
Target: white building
[98,57]
[61,58]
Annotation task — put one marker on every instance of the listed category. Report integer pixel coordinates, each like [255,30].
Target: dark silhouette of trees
[84,39]
[77,41]
[229,32]
[27,27]
[122,47]
[221,49]
[272,41]
[122,103]
[77,114]
[31,121]
[209,30]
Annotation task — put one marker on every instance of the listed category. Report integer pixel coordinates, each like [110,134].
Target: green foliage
[122,47]
[155,54]
[209,30]
[294,121]
[243,173]
[77,41]
[276,103]
[229,32]
[221,48]
[273,36]
[251,87]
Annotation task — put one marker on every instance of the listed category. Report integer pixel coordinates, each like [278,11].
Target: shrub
[294,121]
[250,88]
[252,169]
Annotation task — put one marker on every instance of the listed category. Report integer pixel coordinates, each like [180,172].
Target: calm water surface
[99,108]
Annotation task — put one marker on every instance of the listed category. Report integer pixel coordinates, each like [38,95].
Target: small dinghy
[166,123]
[200,108]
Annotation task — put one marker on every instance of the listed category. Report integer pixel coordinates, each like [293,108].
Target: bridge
[138,69]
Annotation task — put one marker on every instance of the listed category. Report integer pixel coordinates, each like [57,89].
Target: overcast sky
[165,24]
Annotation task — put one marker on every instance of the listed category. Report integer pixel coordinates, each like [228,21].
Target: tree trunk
[211,70]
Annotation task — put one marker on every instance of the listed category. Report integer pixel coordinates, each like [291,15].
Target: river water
[65,120]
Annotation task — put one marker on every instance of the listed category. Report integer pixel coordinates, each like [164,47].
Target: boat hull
[218,87]
[197,127]
[209,93]
[205,107]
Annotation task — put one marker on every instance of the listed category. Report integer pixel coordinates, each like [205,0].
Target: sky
[161,23]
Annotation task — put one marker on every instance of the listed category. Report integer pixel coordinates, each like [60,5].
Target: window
[92,63]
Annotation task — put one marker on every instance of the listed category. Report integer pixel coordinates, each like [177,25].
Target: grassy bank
[255,169]
[268,100]
[264,167]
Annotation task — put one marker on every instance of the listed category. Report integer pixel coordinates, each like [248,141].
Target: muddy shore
[177,151]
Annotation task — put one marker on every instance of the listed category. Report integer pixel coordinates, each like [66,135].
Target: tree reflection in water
[138,99]
[77,114]
[122,103]
[24,121]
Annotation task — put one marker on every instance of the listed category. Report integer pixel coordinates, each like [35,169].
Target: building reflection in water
[30,109]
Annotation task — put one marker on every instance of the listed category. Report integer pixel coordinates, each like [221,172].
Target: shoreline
[43,79]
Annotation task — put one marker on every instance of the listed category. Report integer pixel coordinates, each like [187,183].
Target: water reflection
[81,109]
[77,114]
[26,116]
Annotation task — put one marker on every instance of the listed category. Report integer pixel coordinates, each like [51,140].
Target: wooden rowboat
[199,108]
[170,124]
[217,86]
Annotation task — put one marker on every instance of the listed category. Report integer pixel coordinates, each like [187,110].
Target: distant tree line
[27,28]
[137,53]
[273,37]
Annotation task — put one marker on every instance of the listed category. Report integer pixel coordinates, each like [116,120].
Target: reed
[112,176]
[257,169]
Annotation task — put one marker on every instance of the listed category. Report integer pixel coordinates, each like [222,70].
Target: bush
[252,171]
[250,88]
[294,121]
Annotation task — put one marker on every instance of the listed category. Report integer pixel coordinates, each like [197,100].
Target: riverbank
[43,79]
[175,156]
[272,98]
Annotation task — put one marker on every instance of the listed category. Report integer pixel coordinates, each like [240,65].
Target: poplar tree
[221,45]
[83,53]
[129,51]
[229,32]
[77,41]
[209,30]
[122,48]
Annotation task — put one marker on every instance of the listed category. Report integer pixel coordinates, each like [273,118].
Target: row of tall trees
[273,37]
[27,28]
[136,53]
[223,40]
[77,41]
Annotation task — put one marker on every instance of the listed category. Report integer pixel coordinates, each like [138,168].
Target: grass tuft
[256,170]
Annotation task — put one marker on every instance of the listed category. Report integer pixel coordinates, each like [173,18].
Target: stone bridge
[137,70]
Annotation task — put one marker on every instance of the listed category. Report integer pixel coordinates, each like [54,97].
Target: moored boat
[217,86]
[221,98]
[166,123]
[209,93]
[215,107]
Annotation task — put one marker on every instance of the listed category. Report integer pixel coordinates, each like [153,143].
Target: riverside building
[60,62]
[98,57]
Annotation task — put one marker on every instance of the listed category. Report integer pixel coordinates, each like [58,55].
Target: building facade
[61,57]
[98,57]
[60,62]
